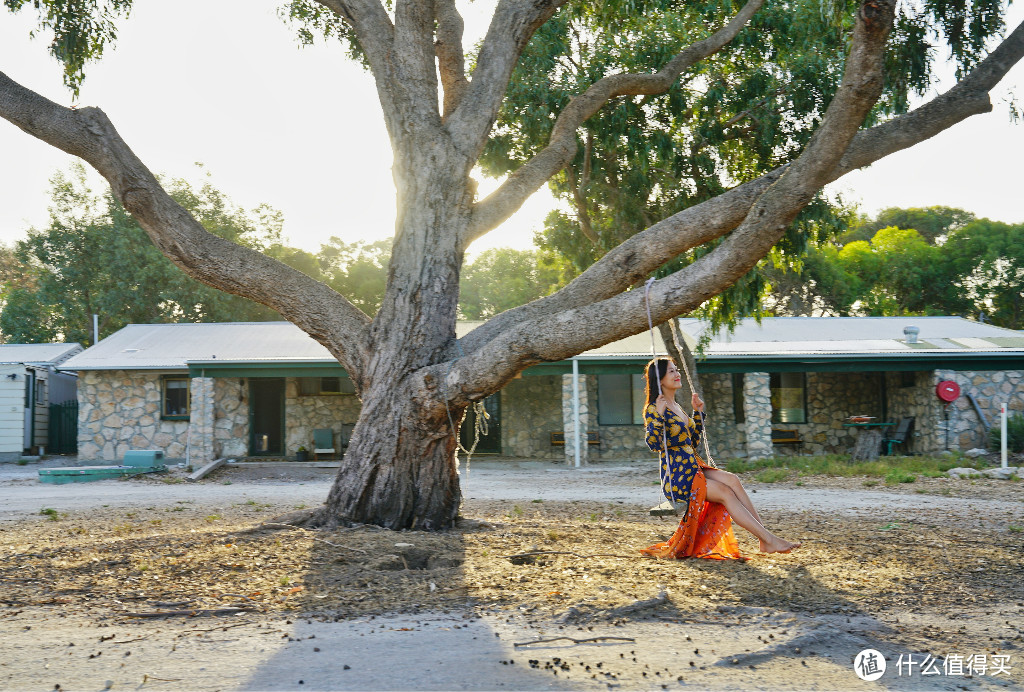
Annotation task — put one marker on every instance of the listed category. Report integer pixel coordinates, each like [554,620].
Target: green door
[266,416]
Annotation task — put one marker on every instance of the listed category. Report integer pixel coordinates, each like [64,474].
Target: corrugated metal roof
[173,346]
[855,335]
[50,354]
[855,328]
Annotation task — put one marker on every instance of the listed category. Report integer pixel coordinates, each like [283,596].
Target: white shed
[29,384]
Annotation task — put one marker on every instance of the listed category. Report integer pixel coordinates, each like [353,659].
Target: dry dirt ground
[187,587]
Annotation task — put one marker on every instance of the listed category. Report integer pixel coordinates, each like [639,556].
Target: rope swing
[710,460]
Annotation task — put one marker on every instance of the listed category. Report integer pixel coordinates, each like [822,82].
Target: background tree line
[93,258]
[931,261]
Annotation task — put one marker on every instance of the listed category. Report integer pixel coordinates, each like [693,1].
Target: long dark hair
[653,374]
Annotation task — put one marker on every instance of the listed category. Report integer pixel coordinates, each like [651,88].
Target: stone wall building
[205,391]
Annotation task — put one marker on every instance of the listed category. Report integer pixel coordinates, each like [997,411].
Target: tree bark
[680,352]
[399,470]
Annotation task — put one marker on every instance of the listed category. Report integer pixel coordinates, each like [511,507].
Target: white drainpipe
[576,408]
[1002,431]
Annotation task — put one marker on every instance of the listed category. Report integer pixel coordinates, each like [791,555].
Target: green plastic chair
[323,442]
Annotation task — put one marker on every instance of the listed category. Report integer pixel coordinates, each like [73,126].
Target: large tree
[410,371]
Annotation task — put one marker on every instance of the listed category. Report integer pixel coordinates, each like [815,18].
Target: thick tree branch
[633,260]
[451,62]
[561,148]
[566,333]
[372,25]
[414,65]
[87,133]
[513,24]
[376,36]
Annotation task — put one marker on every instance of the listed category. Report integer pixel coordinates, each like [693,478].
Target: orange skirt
[705,531]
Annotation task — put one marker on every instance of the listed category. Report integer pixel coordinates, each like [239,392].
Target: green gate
[63,428]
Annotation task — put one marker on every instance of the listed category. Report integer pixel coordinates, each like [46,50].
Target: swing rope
[481,427]
[686,371]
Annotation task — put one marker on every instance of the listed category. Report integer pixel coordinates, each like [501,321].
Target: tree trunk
[672,337]
[399,471]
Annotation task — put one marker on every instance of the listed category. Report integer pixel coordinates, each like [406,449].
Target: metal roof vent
[911,334]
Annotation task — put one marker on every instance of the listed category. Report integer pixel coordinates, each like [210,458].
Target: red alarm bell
[948,391]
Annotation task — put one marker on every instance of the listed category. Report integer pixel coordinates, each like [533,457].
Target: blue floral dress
[682,464]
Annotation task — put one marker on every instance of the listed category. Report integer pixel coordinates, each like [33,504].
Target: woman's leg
[733,481]
[769,543]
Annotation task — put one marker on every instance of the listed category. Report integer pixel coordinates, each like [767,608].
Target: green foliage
[1014,434]
[898,273]
[749,109]
[773,475]
[932,223]
[985,260]
[898,475]
[840,465]
[497,280]
[81,30]
[957,265]
[502,278]
[93,258]
[310,19]
[358,270]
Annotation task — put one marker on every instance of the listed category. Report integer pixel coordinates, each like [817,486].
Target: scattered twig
[171,604]
[680,621]
[191,613]
[285,526]
[146,677]
[129,641]
[576,641]
[214,629]
[234,595]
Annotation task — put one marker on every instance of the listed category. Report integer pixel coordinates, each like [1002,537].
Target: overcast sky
[224,83]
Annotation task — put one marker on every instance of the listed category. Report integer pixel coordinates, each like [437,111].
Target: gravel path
[633,484]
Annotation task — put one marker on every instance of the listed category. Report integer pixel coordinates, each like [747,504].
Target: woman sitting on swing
[711,498]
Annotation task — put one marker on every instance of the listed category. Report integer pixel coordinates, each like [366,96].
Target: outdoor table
[869,440]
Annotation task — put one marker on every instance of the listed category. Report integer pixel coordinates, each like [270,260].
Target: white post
[576,408]
[1002,430]
[95,329]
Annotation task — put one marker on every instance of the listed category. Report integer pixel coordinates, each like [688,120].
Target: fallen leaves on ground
[581,565]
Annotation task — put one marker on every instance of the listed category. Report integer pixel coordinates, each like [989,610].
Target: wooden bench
[786,437]
[558,438]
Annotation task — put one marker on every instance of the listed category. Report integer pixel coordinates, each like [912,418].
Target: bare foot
[777,545]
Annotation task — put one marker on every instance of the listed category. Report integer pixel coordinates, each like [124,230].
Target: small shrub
[869,484]
[896,476]
[1016,529]
[50,513]
[773,475]
[1014,434]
